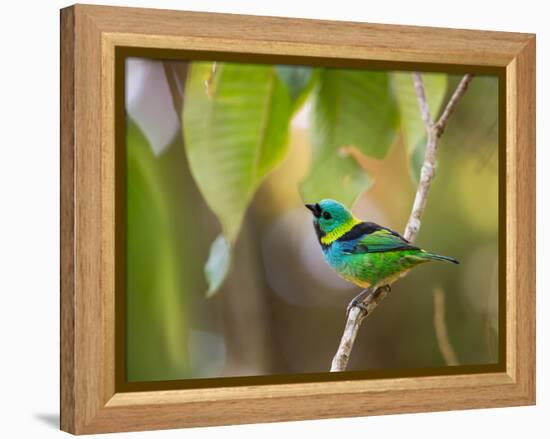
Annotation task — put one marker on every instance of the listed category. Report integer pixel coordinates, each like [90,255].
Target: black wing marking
[366,228]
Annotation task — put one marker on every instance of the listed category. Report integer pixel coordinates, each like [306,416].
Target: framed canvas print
[239,196]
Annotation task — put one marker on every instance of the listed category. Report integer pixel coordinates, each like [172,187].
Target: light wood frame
[89,36]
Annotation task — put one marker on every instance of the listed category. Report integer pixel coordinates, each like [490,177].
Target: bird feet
[356,303]
[359,300]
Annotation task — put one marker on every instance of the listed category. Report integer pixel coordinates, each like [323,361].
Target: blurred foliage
[350,108]
[298,80]
[154,303]
[236,120]
[236,130]
[217,266]
[412,125]
[259,140]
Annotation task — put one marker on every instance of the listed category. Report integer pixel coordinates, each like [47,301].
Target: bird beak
[315,209]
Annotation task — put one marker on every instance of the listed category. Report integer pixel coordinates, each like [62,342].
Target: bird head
[329,215]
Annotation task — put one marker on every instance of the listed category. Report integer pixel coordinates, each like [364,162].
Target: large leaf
[156,322]
[339,178]
[414,130]
[351,108]
[234,136]
[235,133]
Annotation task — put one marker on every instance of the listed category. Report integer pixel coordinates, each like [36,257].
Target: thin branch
[427,172]
[422,102]
[434,132]
[440,326]
[355,318]
[176,74]
[450,108]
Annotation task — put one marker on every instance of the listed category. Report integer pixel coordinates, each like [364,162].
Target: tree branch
[445,346]
[434,131]
[450,108]
[176,74]
[422,102]
[355,318]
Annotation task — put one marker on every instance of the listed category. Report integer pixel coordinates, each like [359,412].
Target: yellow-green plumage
[364,253]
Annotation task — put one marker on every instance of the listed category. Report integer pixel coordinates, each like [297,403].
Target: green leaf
[335,177]
[298,80]
[235,133]
[156,321]
[217,266]
[414,130]
[350,108]
[235,136]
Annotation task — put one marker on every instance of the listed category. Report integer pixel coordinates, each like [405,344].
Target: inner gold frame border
[92,399]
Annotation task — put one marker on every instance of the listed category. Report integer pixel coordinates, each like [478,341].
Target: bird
[364,253]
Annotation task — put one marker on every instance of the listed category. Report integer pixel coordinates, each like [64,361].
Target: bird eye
[327,215]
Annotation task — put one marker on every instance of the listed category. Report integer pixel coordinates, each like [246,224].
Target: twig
[355,317]
[451,106]
[176,74]
[441,334]
[434,132]
[422,102]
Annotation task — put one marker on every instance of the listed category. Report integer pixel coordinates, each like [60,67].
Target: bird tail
[440,258]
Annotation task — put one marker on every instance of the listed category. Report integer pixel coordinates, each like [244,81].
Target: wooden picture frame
[90,37]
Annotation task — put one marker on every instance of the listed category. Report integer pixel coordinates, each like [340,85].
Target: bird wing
[375,239]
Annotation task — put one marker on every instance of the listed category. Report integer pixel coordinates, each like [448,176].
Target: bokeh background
[281,310]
